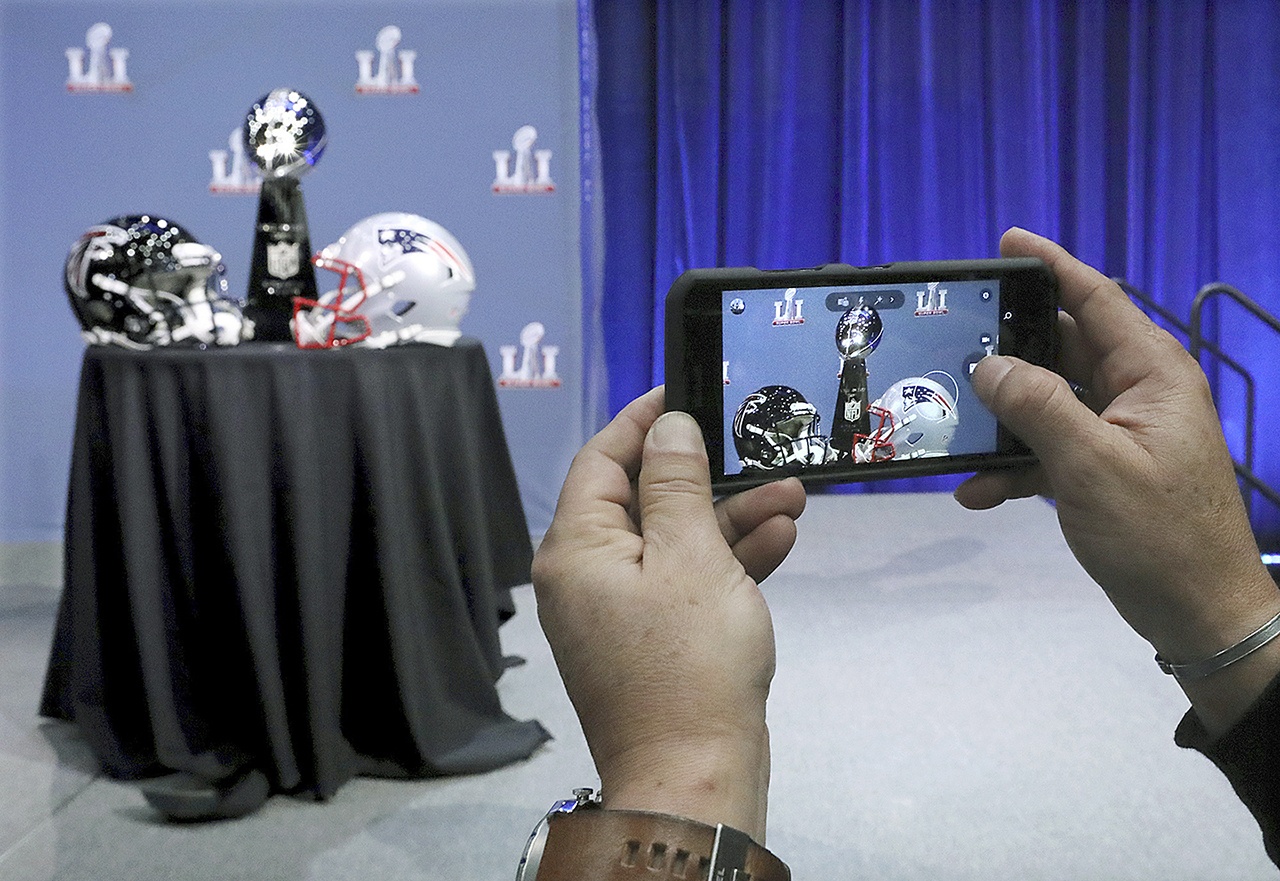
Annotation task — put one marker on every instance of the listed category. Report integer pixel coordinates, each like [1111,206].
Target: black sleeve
[1249,755]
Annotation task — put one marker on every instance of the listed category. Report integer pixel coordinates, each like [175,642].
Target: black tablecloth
[296,560]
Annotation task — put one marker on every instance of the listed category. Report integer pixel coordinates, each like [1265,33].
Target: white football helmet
[913,419]
[401,278]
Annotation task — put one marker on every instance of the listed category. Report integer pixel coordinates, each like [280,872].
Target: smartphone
[840,373]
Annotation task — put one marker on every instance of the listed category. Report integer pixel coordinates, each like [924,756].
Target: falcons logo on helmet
[776,426]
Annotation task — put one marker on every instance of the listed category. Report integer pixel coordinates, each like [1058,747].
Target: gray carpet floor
[954,700]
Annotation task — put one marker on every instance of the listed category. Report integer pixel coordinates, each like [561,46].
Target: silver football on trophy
[284,133]
[858,332]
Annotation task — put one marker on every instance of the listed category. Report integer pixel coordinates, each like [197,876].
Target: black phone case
[686,384]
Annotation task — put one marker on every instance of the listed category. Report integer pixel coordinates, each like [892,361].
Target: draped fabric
[293,562]
[750,132]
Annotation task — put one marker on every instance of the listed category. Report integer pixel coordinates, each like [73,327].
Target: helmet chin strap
[414,333]
[139,297]
[814,449]
[100,336]
[312,327]
[196,308]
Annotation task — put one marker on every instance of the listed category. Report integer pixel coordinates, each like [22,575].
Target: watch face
[532,856]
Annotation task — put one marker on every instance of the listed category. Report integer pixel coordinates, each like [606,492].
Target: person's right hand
[1145,490]
[647,592]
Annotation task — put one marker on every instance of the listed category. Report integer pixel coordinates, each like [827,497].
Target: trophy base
[852,417]
[281,269]
[270,323]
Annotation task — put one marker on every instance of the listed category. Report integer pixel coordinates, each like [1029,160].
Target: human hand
[647,594]
[1145,490]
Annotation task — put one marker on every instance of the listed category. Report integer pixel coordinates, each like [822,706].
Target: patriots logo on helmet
[396,242]
[922,394]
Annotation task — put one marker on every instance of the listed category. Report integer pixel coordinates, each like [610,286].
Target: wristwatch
[578,840]
[531,859]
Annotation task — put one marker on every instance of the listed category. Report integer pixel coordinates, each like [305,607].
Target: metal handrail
[1196,339]
[1213,290]
[1196,342]
[1256,483]
[1185,329]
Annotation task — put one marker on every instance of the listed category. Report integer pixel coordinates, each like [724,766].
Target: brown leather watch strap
[604,845]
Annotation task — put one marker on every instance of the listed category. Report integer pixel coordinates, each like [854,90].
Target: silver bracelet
[1224,658]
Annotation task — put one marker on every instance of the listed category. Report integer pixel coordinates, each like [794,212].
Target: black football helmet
[776,426]
[141,281]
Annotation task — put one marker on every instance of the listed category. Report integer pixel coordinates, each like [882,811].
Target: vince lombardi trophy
[284,134]
[857,335]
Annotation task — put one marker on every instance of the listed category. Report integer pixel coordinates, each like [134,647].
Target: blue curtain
[1141,135]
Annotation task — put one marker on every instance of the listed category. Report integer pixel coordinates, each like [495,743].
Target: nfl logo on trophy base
[283,260]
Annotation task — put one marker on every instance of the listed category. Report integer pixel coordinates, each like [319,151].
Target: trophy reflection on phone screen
[284,135]
[857,335]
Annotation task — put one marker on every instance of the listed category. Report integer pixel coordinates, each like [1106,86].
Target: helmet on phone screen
[776,426]
[914,418]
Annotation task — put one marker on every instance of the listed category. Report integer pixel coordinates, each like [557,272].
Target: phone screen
[844,373]
[822,377]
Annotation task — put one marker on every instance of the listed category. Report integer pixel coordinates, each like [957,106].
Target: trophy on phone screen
[284,135]
[857,335]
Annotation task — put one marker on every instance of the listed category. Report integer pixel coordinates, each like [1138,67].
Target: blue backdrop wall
[72,156]
[1139,134]
[751,132]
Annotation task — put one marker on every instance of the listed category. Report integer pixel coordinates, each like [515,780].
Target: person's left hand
[647,594]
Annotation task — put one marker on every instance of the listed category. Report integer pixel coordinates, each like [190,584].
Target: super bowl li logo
[932,301]
[788,310]
[537,368]
[394,73]
[98,67]
[233,173]
[532,170]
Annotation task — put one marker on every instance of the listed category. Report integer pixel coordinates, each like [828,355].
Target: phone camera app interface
[820,377]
